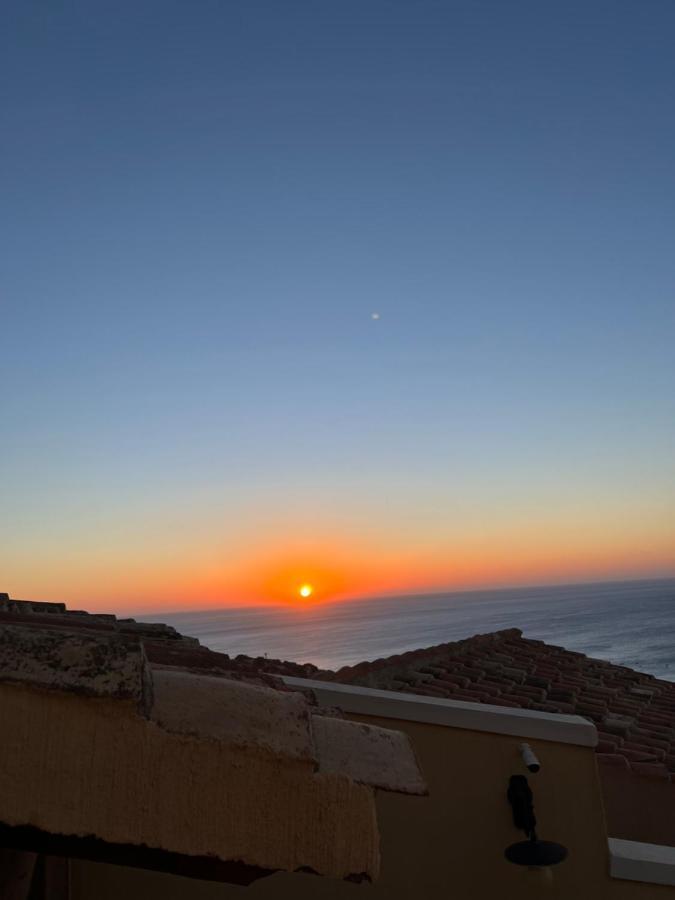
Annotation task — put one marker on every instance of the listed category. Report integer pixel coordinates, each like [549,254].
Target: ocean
[631,623]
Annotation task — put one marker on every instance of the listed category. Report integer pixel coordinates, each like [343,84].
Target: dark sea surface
[631,623]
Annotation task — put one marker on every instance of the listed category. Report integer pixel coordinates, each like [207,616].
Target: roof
[163,644]
[633,712]
[119,732]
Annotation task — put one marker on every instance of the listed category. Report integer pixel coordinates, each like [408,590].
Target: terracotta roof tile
[634,712]
[429,690]
[648,741]
[613,759]
[457,680]
[637,756]
[538,681]
[651,770]
[657,731]
[504,684]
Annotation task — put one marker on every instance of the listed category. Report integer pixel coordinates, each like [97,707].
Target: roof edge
[351,698]
[636,861]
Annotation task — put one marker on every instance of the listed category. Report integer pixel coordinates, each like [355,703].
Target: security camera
[530,760]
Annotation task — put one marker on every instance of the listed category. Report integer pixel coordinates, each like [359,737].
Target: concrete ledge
[634,861]
[233,712]
[530,723]
[370,755]
[254,717]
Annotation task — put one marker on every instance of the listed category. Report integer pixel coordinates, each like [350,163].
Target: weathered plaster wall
[82,765]
[449,844]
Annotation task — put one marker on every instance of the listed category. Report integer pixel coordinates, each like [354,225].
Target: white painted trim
[528,723]
[634,861]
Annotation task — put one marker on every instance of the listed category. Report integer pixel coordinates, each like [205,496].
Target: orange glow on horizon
[336,570]
[263,569]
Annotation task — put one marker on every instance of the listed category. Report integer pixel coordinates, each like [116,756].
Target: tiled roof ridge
[164,644]
[48,614]
[361,672]
[198,657]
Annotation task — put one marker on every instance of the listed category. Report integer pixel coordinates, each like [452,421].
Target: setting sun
[306,590]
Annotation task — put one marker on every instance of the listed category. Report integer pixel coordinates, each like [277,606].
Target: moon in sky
[375,316]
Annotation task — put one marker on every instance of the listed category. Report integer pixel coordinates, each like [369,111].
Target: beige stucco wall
[638,807]
[87,766]
[448,845]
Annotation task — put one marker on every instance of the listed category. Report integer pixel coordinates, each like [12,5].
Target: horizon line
[409,594]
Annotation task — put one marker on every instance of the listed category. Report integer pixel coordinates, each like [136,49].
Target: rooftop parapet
[103,750]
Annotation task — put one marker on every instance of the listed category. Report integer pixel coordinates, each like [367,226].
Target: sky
[375,296]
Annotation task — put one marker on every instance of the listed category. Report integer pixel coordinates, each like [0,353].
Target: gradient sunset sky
[204,203]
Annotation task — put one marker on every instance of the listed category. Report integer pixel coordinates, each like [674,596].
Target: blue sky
[205,202]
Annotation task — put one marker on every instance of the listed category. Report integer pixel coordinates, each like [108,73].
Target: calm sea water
[631,623]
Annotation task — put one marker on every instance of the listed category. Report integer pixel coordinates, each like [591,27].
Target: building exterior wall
[447,845]
[93,767]
[636,805]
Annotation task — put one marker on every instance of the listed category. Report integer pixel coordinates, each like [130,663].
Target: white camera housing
[529,758]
